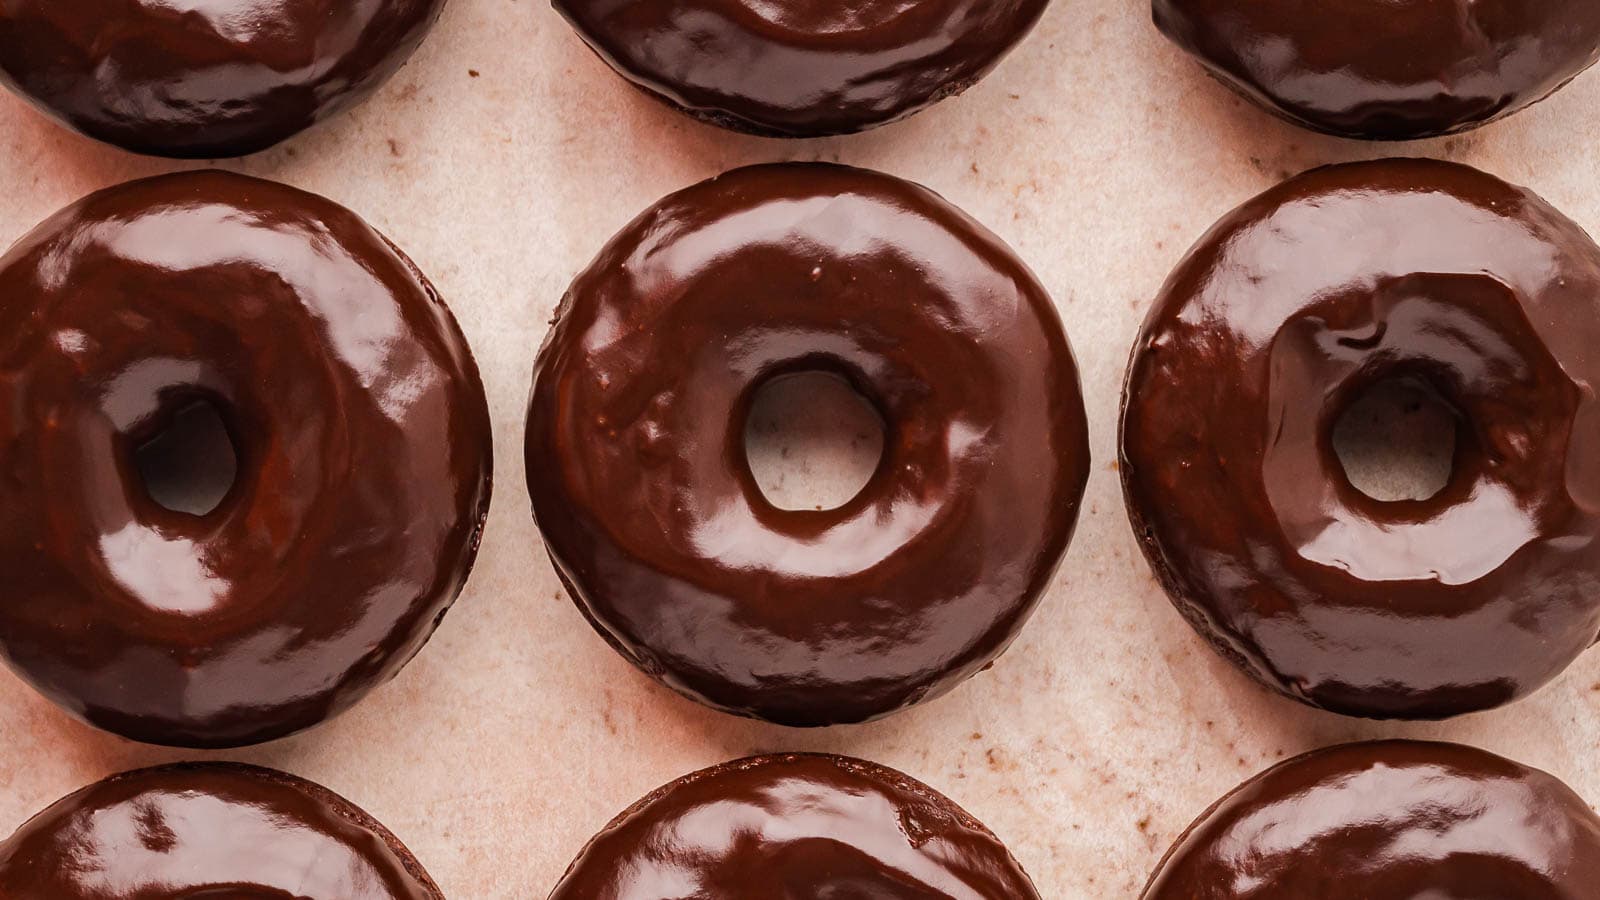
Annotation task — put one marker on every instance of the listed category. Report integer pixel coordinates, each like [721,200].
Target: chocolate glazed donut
[800,827]
[802,69]
[1388,69]
[201,80]
[208,830]
[649,510]
[1292,306]
[336,379]
[1387,820]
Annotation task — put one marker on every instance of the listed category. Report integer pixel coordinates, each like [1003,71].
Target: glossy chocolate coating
[364,459]
[800,827]
[635,447]
[216,830]
[1394,820]
[1273,325]
[802,69]
[1388,69]
[203,79]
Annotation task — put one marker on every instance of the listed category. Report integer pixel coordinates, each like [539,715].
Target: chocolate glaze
[1277,320]
[802,69]
[199,80]
[1394,70]
[1389,821]
[364,459]
[635,449]
[801,827]
[208,830]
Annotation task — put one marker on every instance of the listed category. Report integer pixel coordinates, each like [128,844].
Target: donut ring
[1389,819]
[1280,318]
[191,830]
[801,69]
[362,437]
[649,511]
[203,80]
[1392,70]
[800,825]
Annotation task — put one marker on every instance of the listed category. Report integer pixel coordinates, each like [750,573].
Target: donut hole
[812,441]
[1396,440]
[188,462]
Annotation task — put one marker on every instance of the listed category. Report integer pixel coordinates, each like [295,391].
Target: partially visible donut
[203,80]
[800,826]
[637,468]
[347,395]
[1387,820]
[208,830]
[1388,69]
[1285,312]
[802,69]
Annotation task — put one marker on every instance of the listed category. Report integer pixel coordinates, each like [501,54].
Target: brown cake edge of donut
[740,125]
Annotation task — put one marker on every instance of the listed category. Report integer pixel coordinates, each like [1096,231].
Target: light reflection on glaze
[635,443]
[1274,323]
[365,337]
[1389,821]
[802,69]
[203,78]
[218,830]
[1389,70]
[165,574]
[363,442]
[798,827]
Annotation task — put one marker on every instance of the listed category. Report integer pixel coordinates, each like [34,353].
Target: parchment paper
[503,157]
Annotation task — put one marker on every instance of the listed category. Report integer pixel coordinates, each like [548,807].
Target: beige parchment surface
[503,157]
